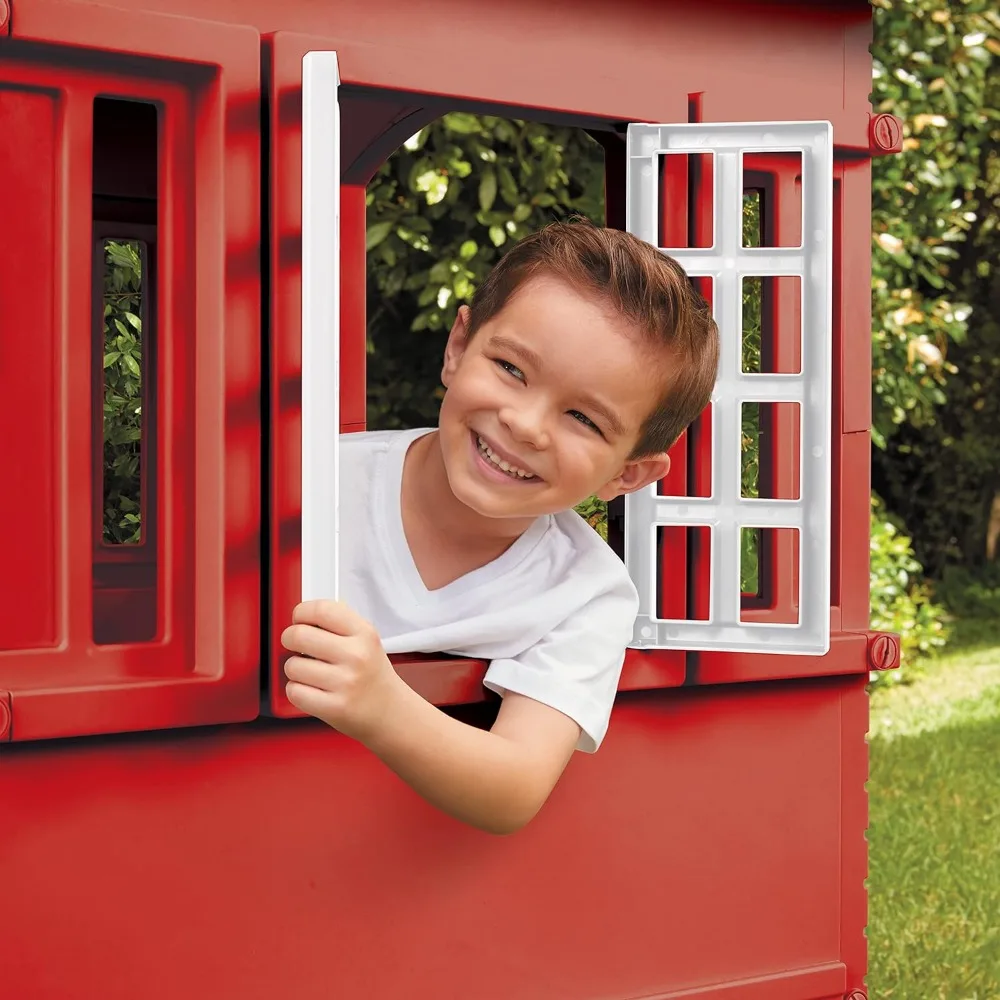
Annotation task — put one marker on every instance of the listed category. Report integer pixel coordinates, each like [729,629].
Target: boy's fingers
[310,640]
[307,699]
[315,673]
[334,616]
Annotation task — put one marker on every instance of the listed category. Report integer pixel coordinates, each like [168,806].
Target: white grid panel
[725,512]
[320,325]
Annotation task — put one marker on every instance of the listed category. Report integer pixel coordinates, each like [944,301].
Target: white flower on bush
[930,354]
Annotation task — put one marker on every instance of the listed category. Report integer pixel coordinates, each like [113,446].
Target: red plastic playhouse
[168,829]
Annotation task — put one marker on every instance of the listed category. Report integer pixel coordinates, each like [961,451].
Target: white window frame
[726,262]
[320,325]
[726,512]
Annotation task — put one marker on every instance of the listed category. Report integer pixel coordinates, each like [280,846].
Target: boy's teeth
[511,470]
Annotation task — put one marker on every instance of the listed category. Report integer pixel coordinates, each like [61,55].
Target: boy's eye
[586,421]
[509,368]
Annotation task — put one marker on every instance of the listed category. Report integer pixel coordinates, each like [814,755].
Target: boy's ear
[458,341]
[636,474]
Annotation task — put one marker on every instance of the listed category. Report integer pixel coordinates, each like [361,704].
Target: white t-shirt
[553,613]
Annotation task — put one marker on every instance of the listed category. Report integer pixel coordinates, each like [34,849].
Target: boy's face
[557,388]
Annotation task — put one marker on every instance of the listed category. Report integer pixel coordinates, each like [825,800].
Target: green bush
[441,211]
[936,286]
[901,601]
[971,594]
[595,512]
[933,67]
[122,391]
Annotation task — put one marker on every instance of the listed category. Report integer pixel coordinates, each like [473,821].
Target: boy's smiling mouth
[501,462]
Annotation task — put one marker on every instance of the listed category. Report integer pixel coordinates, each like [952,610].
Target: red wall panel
[30,531]
[202,664]
[706,847]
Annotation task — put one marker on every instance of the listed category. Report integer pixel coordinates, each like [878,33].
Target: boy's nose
[526,426]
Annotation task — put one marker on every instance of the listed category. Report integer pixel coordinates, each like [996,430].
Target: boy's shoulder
[591,553]
[379,440]
[360,449]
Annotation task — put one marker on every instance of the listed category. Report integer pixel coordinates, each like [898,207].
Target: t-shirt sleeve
[575,668]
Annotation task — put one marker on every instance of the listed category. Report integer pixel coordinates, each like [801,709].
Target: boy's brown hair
[646,287]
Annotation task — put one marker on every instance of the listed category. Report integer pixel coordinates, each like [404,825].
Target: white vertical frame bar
[320,325]
[725,512]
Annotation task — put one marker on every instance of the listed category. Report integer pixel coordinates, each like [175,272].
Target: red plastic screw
[4,710]
[856,995]
[4,14]
[883,652]
[885,135]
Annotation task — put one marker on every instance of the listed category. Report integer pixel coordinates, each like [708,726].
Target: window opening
[441,210]
[125,155]
[124,391]
[770,546]
[753,347]
[696,542]
[697,481]
[767,470]
[772,325]
[750,569]
[682,177]
[782,226]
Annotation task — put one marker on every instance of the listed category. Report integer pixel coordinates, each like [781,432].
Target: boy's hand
[342,675]
[494,780]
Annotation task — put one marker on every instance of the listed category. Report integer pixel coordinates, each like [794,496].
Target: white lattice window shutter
[726,512]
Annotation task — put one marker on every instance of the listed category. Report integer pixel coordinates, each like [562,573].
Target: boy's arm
[494,780]
[497,780]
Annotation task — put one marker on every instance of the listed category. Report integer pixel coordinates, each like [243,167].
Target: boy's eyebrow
[502,343]
[522,353]
[609,415]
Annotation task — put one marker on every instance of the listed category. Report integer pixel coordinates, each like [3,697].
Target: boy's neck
[427,494]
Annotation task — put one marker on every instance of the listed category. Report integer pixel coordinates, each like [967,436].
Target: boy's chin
[483,501]
[498,508]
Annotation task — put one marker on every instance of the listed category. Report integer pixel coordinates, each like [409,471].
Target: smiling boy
[584,356]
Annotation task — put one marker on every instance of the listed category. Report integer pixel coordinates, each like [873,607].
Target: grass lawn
[934,834]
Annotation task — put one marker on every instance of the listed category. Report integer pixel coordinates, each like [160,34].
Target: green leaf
[440,272]
[416,281]
[508,187]
[488,190]
[463,123]
[387,254]
[376,233]
[418,224]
